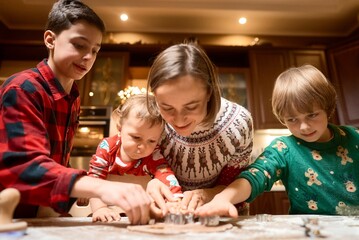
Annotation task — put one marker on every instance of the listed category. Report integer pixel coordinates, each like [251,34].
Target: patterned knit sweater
[320,178]
[212,155]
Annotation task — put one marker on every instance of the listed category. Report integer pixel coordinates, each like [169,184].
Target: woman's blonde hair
[144,107]
[300,89]
[187,59]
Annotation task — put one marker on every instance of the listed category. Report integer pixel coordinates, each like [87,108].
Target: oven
[94,125]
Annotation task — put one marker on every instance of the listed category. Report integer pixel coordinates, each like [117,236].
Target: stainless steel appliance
[94,125]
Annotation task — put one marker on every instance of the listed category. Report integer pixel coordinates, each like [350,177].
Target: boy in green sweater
[318,164]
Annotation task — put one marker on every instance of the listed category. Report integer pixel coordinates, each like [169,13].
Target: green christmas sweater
[320,178]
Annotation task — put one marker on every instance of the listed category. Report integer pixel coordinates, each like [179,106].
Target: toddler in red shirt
[133,151]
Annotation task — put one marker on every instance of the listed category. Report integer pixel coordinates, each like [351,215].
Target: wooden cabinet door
[107,77]
[266,65]
[274,202]
[344,63]
[312,57]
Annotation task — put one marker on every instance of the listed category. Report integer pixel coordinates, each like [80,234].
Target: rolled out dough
[165,228]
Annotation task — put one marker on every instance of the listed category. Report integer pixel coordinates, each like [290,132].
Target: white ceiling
[265,17]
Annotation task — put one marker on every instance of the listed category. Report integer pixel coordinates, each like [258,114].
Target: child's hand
[159,193]
[218,207]
[105,214]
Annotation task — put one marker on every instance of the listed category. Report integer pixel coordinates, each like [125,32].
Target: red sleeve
[158,168]
[100,162]
[166,175]
[30,156]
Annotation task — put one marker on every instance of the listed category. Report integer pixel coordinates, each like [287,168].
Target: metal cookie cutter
[312,227]
[180,219]
[263,217]
[209,221]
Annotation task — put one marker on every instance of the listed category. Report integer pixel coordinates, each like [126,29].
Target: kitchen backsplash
[263,137]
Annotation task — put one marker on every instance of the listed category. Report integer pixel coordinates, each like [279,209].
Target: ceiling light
[124,17]
[242,20]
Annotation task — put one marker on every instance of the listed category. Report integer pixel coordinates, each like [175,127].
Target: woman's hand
[105,214]
[193,199]
[159,192]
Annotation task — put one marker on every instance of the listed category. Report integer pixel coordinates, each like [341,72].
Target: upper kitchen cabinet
[344,65]
[235,85]
[266,65]
[313,57]
[107,77]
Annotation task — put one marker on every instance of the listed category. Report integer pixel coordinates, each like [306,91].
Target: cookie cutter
[312,227]
[210,220]
[181,219]
[263,217]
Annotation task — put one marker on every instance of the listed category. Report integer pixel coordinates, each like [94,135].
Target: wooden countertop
[248,227]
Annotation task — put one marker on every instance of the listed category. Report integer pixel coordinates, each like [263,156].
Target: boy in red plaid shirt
[39,111]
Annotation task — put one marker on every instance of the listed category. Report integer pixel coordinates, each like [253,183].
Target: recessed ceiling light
[242,20]
[124,17]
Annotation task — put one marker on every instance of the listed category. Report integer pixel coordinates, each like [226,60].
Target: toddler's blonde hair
[144,106]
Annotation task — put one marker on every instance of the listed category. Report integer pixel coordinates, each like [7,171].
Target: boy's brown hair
[300,89]
[65,13]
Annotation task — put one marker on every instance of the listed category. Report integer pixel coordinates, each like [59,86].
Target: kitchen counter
[248,227]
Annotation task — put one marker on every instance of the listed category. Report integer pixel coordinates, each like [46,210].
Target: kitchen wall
[263,137]
[9,67]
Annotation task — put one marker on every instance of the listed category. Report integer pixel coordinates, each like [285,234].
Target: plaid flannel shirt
[37,124]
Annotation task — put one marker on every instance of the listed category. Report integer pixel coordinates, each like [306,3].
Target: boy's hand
[105,214]
[218,207]
[131,198]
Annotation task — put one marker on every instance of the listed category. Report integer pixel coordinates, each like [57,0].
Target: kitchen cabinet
[266,65]
[235,85]
[314,57]
[106,78]
[273,202]
[344,64]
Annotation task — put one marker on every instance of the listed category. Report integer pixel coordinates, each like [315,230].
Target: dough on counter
[165,228]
